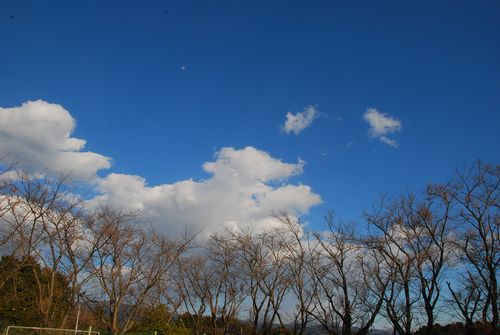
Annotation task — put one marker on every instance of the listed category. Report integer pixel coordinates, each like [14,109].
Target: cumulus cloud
[243,189]
[37,135]
[381,125]
[295,123]
[246,186]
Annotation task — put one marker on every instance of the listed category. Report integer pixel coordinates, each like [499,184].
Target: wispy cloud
[381,125]
[295,123]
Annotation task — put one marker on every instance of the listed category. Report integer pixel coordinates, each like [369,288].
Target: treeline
[414,261]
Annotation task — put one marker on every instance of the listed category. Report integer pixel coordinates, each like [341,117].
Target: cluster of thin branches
[411,261]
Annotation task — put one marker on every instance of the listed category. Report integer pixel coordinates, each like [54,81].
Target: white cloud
[244,188]
[381,124]
[241,192]
[300,121]
[37,135]
[388,141]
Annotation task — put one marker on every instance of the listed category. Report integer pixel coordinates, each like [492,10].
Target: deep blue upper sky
[159,86]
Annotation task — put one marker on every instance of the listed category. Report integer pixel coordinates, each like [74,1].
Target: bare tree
[339,278]
[278,281]
[475,189]
[5,192]
[29,200]
[43,224]
[467,300]
[126,268]
[229,291]
[297,251]
[391,242]
[430,237]
[192,287]
[264,273]
[209,283]
[346,299]
[6,222]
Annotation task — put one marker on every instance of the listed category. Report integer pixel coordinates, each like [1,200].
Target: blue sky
[160,87]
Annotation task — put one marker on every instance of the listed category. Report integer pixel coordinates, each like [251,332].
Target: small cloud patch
[381,125]
[295,123]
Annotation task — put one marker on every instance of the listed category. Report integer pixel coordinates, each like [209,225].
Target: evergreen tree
[24,293]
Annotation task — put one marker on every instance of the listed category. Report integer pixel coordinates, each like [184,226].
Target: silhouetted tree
[475,189]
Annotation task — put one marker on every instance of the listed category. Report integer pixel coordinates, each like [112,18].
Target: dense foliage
[24,293]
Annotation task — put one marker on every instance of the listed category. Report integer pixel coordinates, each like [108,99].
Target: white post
[77,319]
[90,330]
